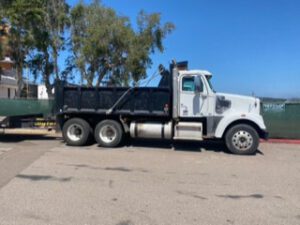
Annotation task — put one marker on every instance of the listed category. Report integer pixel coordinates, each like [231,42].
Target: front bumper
[264,134]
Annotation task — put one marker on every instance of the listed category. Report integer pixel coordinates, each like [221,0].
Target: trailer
[184,106]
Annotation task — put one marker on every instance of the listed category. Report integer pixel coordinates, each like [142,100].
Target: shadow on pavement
[43,178]
[258,196]
[216,146]
[191,146]
[12,138]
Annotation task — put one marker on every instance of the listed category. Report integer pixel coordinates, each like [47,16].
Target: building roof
[7,60]
[7,80]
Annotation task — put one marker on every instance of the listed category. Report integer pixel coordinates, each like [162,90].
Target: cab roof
[202,72]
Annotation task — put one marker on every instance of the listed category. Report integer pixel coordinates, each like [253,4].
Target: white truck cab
[235,118]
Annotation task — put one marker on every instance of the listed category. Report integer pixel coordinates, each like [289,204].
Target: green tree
[1,44]
[4,49]
[106,47]
[22,16]
[49,41]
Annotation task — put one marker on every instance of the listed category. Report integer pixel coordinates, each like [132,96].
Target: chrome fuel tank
[151,130]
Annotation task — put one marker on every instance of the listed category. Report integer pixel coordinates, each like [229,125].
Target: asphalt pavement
[43,181]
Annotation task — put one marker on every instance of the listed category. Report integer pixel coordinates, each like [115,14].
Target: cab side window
[188,84]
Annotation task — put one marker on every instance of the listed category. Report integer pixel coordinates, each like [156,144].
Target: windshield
[208,78]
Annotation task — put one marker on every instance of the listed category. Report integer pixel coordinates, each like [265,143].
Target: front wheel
[242,139]
[108,133]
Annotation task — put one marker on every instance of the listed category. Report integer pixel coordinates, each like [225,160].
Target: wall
[4,92]
[282,119]
[42,92]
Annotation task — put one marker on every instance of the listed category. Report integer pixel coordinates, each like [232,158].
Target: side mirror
[198,84]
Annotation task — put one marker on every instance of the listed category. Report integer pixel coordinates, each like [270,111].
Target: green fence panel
[282,119]
[22,107]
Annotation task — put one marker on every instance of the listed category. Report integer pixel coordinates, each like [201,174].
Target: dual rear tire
[107,133]
[76,132]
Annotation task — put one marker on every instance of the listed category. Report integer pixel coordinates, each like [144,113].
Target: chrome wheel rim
[75,132]
[108,134]
[242,140]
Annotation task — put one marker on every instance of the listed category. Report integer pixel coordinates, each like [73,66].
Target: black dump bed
[153,102]
[142,101]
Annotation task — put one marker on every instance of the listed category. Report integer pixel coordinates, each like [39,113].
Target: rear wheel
[76,132]
[242,139]
[108,133]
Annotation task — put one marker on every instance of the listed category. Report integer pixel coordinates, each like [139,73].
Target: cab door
[192,100]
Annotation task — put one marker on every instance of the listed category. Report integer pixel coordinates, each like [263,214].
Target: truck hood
[228,103]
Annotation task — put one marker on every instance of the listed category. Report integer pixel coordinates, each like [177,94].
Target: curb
[282,141]
[22,131]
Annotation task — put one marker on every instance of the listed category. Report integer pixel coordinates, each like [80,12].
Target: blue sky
[250,46]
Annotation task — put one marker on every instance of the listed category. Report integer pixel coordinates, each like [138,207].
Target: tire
[108,133]
[242,139]
[76,132]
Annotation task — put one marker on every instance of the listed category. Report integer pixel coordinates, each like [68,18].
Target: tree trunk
[90,78]
[100,77]
[49,88]
[19,80]
[89,82]
[47,77]
[55,57]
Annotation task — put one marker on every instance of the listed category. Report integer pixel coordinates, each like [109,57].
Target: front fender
[229,119]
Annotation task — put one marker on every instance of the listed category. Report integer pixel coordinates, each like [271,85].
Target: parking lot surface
[43,181]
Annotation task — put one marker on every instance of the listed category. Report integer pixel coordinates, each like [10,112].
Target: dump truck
[184,106]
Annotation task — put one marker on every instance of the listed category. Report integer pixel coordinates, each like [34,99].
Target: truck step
[188,131]
[188,138]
